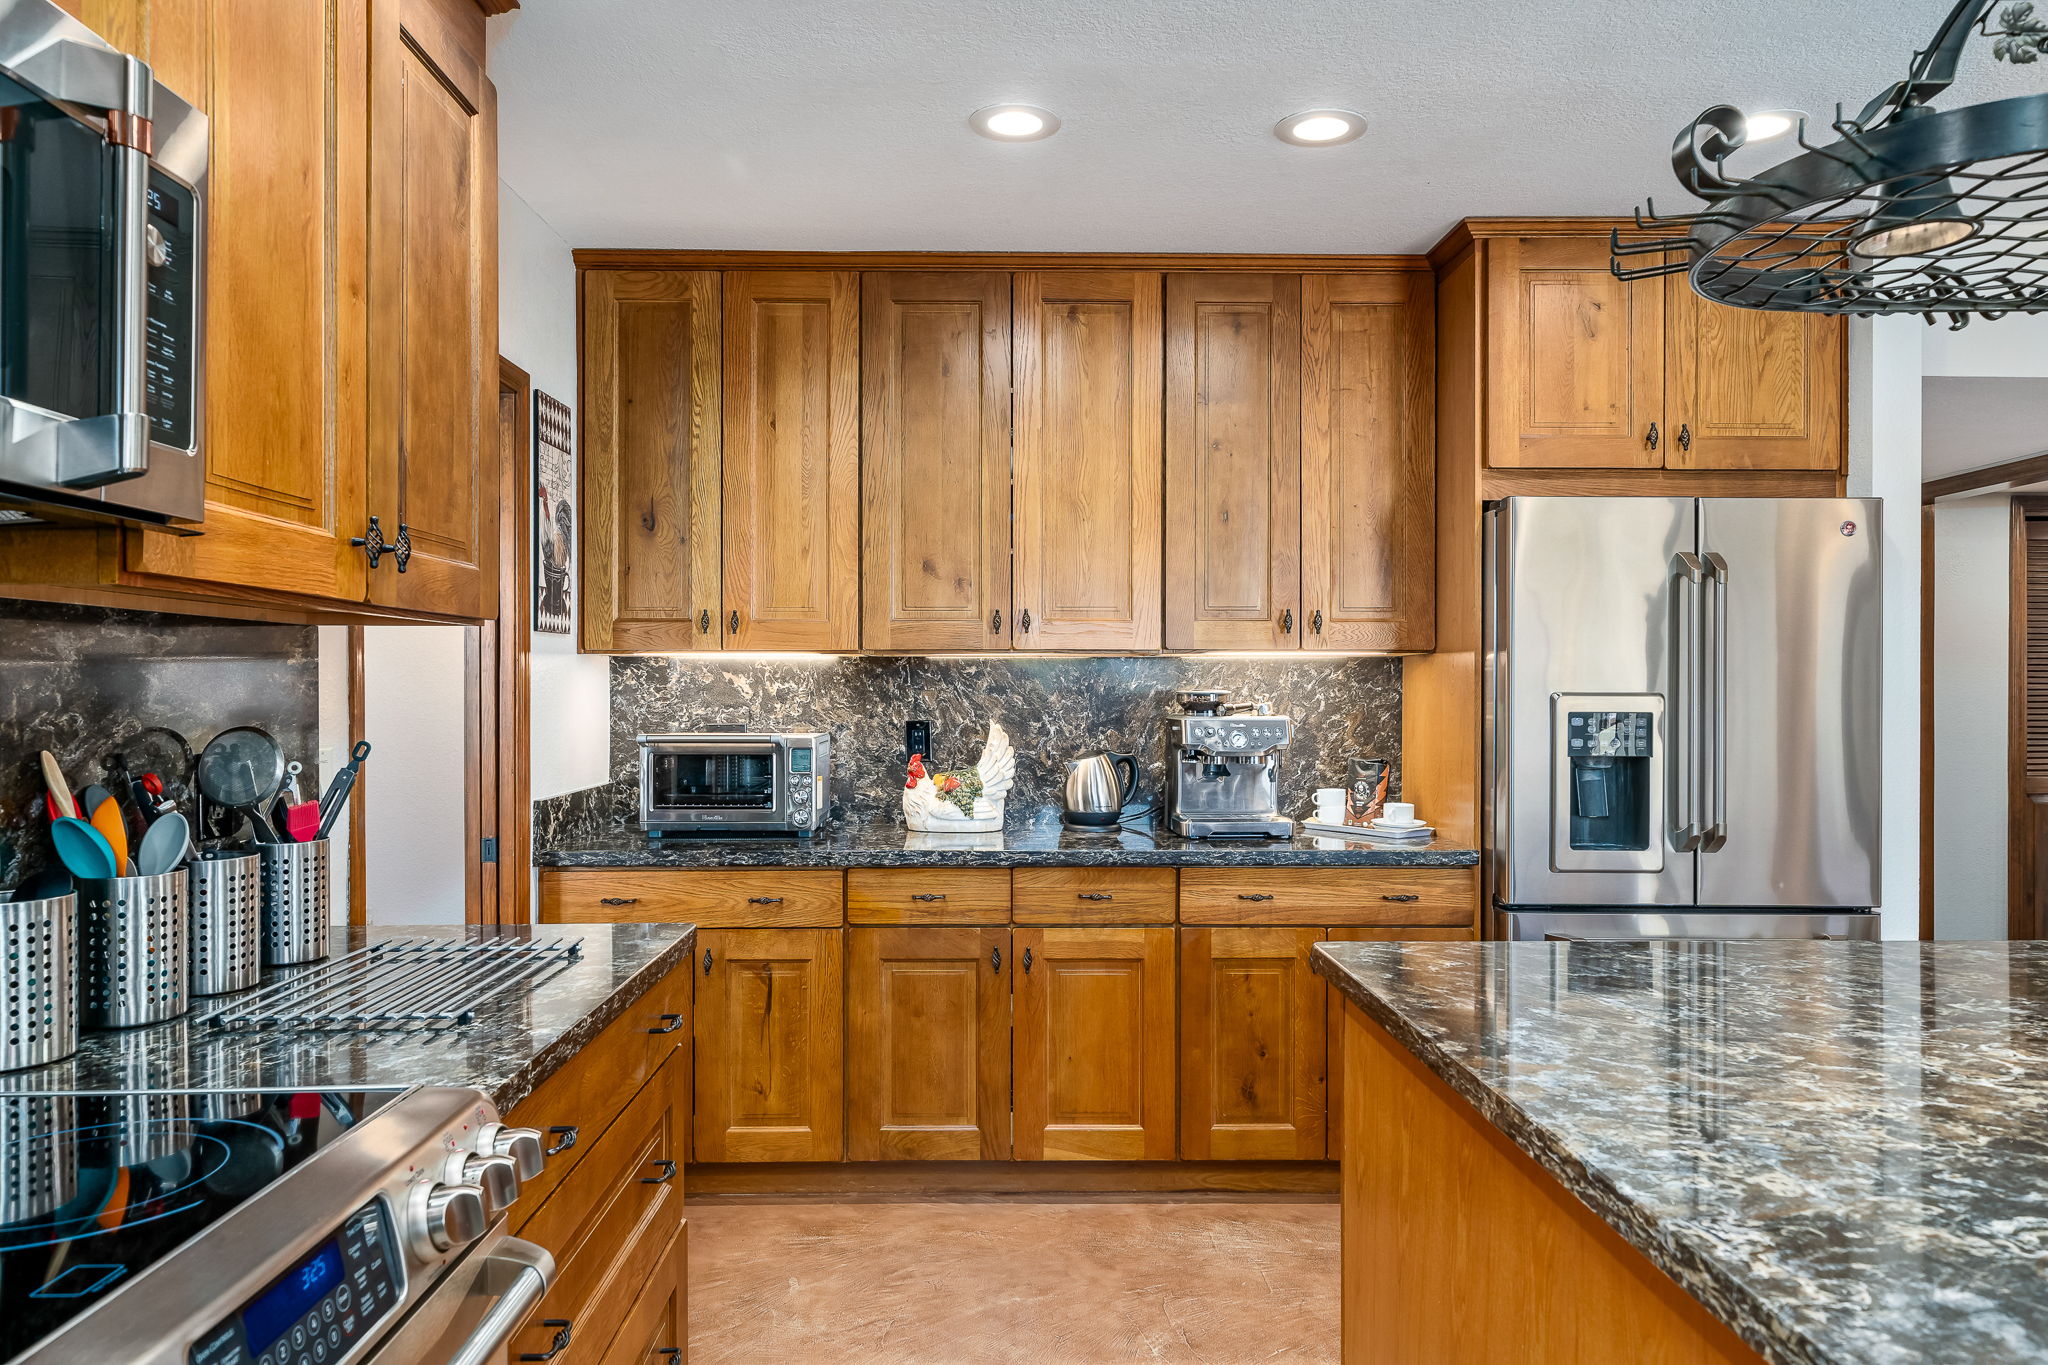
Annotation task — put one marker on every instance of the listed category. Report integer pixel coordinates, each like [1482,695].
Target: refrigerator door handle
[1687,575]
[1716,709]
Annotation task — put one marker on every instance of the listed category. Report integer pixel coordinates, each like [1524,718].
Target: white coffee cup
[1329,796]
[1399,813]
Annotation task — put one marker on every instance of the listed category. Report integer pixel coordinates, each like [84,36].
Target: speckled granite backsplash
[78,680]
[1054,708]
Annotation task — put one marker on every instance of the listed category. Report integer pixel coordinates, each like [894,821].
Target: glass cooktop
[96,1188]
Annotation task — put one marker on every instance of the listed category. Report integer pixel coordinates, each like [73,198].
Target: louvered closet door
[2027,820]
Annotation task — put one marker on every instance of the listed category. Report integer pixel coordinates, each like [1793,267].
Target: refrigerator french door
[1683,714]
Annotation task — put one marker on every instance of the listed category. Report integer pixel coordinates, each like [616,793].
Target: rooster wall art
[961,800]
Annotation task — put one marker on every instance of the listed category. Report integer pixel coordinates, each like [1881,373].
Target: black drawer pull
[707,962]
[1093,896]
[620,900]
[568,1134]
[560,1344]
[995,960]
[764,900]
[1409,897]
[668,1173]
[675,1021]
[929,896]
[1027,962]
[671,1353]
[1255,895]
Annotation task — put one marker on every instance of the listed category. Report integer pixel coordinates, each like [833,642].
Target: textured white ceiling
[802,124]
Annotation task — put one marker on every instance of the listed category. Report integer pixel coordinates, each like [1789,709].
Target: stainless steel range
[290,1228]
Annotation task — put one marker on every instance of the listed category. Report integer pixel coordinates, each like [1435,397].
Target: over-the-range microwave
[102,245]
[711,782]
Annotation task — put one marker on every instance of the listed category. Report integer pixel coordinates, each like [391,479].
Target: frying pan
[241,768]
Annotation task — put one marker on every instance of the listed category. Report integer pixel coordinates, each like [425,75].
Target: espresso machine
[1223,768]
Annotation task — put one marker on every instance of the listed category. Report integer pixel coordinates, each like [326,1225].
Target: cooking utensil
[47,884]
[291,780]
[241,768]
[164,845]
[91,799]
[83,850]
[338,789]
[302,822]
[61,799]
[106,818]
[1098,788]
[165,754]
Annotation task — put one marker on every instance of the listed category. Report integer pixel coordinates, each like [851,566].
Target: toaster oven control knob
[452,1216]
[523,1145]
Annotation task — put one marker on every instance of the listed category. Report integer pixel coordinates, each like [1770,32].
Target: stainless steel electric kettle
[1098,788]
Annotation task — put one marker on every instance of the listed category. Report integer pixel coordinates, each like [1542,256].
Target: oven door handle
[532,1269]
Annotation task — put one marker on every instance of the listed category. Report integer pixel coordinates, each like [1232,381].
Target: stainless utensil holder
[41,987]
[295,926]
[227,923]
[134,956]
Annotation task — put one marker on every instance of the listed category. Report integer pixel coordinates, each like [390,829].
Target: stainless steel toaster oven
[710,782]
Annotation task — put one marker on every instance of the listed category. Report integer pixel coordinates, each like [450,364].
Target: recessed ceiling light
[1771,123]
[1320,127]
[1014,122]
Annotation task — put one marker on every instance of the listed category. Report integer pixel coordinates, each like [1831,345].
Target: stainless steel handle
[1688,576]
[1716,710]
[486,1345]
[131,283]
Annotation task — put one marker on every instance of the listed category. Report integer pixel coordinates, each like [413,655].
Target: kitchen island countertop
[518,1039]
[1038,842]
[1837,1148]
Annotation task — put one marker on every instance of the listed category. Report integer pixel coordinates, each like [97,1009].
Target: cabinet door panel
[1233,461]
[1368,526]
[1335,1009]
[651,489]
[1088,463]
[284,433]
[1576,370]
[928,1044]
[935,460]
[434,307]
[1094,1039]
[1252,1032]
[792,448]
[1752,390]
[769,1057]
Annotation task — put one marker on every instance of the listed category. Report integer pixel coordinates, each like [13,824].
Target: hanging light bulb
[1915,215]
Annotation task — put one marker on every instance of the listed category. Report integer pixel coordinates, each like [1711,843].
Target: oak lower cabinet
[1336,1011]
[769,1045]
[657,1327]
[1252,1045]
[1093,1034]
[928,1043]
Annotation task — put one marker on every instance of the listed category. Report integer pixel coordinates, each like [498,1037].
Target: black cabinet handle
[1651,439]
[1287,621]
[929,896]
[704,621]
[668,1173]
[620,900]
[567,1132]
[995,622]
[1684,436]
[733,623]
[1255,896]
[1410,897]
[672,1353]
[401,548]
[1027,962]
[371,542]
[1315,623]
[764,900]
[1093,896]
[675,1021]
[995,960]
[707,962]
[1024,620]
[562,1327]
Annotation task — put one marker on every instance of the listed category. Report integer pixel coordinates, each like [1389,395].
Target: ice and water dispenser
[1607,802]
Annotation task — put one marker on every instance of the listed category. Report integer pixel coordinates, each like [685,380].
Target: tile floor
[1050,1282]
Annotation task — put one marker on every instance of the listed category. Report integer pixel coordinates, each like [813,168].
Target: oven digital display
[286,1302]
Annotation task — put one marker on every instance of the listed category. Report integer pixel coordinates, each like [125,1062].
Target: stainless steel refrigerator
[1682,719]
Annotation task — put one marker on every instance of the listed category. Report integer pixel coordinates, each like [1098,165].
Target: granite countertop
[1039,842]
[1838,1148]
[517,1041]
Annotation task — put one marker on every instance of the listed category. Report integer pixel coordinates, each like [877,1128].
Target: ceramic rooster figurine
[964,800]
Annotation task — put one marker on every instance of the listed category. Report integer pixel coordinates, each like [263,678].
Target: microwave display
[735,781]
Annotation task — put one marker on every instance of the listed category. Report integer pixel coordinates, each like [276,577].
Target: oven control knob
[453,1216]
[496,1176]
[523,1145]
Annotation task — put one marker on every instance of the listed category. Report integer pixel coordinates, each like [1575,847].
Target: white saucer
[1399,824]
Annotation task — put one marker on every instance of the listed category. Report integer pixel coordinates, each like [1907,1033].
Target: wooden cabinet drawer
[658,1323]
[575,1106]
[1092,895]
[1329,896]
[610,1224]
[742,898]
[917,895]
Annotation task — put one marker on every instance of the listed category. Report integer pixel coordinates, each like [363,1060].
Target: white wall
[2013,347]
[335,742]
[417,773]
[1885,364]
[1972,587]
[537,332]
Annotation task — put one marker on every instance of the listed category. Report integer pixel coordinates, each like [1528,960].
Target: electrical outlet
[917,739]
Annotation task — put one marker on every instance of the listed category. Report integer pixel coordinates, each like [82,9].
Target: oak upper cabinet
[651,466]
[433,334]
[1094,1044]
[1368,461]
[935,460]
[1087,462]
[928,1044]
[1751,390]
[1252,1034]
[791,466]
[286,186]
[769,1061]
[1233,461]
